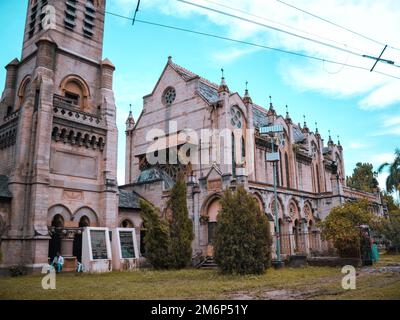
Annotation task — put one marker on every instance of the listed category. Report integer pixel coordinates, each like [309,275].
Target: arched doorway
[55,242]
[212,212]
[77,245]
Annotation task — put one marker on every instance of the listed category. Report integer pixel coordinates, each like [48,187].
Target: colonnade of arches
[297,226]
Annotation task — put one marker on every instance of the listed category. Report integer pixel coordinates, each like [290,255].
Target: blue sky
[362,107]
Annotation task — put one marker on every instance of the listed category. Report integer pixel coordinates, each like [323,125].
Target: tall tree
[181,227]
[157,240]
[363,177]
[242,241]
[393,180]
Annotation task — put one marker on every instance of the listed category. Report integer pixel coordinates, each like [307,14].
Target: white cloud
[376,19]
[390,126]
[355,145]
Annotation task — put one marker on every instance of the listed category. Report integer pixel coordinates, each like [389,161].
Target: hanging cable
[281,24]
[336,24]
[248,43]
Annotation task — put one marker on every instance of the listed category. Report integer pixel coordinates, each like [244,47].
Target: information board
[127,246]
[99,244]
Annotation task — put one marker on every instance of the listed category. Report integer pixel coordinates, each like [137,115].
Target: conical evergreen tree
[157,240]
[181,227]
[243,240]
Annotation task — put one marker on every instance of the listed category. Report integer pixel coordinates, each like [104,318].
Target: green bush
[391,231]
[157,240]
[342,226]
[242,243]
[181,228]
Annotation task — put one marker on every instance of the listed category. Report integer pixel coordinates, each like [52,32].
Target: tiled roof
[298,135]
[155,174]
[208,93]
[4,191]
[128,200]
[260,117]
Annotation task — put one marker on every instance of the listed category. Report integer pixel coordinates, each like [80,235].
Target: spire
[223,86]
[317,131]
[330,141]
[288,118]
[305,128]
[130,122]
[246,97]
[338,144]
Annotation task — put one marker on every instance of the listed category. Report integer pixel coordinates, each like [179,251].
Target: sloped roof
[298,135]
[128,199]
[207,89]
[208,93]
[4,191]
[260,117]
[155,174]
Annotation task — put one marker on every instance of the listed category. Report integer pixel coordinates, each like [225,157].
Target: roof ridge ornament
[246,97]
[223,87]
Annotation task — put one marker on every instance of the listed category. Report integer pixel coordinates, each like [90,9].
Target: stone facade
[310,172]
[58,134]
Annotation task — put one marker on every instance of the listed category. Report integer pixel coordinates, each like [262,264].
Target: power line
[248,43]
[335,24]
[279,23]
[290,33]
[271,27]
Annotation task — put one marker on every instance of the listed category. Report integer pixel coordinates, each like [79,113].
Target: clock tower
[58,123]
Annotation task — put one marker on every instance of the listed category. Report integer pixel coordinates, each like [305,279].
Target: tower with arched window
[58,117]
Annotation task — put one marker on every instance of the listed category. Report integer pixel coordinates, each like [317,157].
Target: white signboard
[272,157]
[271,129]
[96,250]
[125,249]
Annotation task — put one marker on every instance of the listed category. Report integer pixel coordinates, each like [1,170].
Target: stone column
[304,230]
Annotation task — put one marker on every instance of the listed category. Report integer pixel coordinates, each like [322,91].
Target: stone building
[58,135]
[58,148]
[310,173]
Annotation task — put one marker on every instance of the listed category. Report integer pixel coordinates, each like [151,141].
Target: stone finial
[330,141]
[223,87]
[169,59]
[288,119]
[305,128]
[271,110]
[246,97]
[317,131]
[130,122]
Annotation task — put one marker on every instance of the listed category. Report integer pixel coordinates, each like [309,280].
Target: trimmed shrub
[157,240]
[242,243]
[181,227]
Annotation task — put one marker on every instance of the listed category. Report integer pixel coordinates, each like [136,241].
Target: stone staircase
[208,264]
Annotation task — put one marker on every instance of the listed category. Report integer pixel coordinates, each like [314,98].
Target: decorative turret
[330,141]
[317,135]
[288,119]
[223,87]
[305,128]
[246,97]
[130,122]
[271,111]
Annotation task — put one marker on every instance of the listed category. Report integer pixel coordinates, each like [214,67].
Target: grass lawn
[303,283]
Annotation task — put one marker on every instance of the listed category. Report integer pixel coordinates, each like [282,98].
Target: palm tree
[393,180]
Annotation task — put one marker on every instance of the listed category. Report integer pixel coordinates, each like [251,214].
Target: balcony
[64,108]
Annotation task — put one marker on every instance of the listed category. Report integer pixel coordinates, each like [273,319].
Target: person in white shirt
[58,262]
